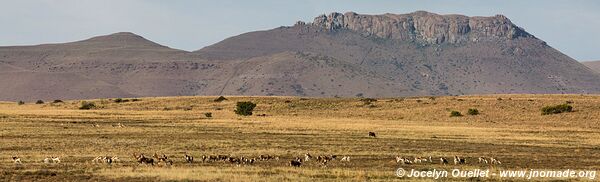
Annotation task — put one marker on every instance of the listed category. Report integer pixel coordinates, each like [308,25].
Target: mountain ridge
[340,55]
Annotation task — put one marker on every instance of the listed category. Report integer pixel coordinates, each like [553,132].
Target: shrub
[87,105]
[20,102]
[119,100]
[473,112]
[245,108]
[208,114]
[57,101]
[39,102]
[220,99]
[455,114]
[557,109]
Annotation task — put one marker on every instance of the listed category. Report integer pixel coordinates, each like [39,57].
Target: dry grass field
[511,129]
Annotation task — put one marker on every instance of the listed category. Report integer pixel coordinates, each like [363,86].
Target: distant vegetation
[473,111]
[245,108]
[20,102]
[455,114]
[87,105]
[557,109]
[57,101]
[208,114]
[39,102]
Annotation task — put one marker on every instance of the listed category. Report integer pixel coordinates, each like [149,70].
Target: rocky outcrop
[424,27]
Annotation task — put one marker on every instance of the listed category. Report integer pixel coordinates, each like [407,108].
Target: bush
[220,99]
[87,105]
[39,102]
[557,109]
[473,112]
[119,100]
[208,114]
[20,102]
[57,101]
[245,108]
[455,114]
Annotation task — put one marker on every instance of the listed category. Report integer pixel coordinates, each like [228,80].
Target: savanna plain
[510,128]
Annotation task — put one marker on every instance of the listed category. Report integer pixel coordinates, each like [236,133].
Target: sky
[571,26]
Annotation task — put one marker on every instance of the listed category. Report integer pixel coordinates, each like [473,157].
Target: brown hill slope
[594,65]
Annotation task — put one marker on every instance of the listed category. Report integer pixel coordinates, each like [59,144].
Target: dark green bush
[473,112]
[57,101]
[557,109]
[245,108]
[20,102]
[87,105]
[455,114]
[208,114]
[39,102]
[220,99]
[119,100]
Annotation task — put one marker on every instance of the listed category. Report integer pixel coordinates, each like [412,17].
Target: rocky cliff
[424,27]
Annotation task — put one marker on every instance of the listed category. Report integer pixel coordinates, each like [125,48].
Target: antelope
[372,134]
[188,158]
[16,160]
[143,159]
[296,163]
[346,158]
[458,160]
[49,160]
[163,158]
[307,157]
[482,160]
[443,161]
[495,161]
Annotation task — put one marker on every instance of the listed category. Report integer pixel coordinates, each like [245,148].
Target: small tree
[87,105]
[57,101]
[473,112]
[455,114]
[245,108]
[208,114]
[39,102]
[20,102]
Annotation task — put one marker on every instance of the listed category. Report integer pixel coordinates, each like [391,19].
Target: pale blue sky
[573,27]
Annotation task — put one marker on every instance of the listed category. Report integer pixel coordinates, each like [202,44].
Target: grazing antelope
[143,159]
[403,160]
[443,161]
[188,158]
[163,159]
[16,160]
[372,134]
[307,157]
[49,160]
[458,160]
[296,163]
[346,159]
[482,160]
[119,125]
[495,161]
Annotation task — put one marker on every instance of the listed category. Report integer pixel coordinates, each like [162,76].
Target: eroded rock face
[424,27]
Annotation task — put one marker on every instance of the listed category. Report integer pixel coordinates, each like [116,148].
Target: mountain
[594,65]
[338,54]
[419,53]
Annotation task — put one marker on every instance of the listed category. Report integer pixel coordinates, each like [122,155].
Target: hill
[343,55]
[594,65]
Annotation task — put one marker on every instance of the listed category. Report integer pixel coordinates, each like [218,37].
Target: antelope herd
[443,161]
[323,160]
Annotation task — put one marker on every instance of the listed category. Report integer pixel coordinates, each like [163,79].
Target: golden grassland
[511,129]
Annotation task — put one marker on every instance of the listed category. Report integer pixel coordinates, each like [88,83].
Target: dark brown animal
[372,134]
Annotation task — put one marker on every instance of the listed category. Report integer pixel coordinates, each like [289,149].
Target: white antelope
[16,160]
[346,159]
[495,161]
[307,157]
[49,160]
[482,160]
